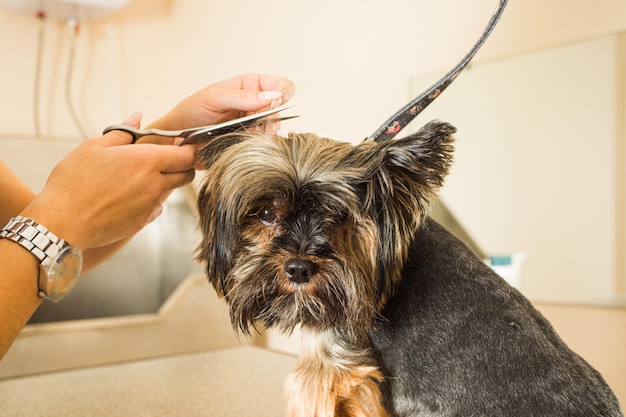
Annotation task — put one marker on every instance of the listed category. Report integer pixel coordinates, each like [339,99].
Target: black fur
[457,340]
[452,339]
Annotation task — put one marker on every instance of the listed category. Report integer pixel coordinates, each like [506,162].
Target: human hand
[107,190]
[226,100]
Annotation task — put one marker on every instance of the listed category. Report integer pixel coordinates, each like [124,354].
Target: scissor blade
[232,126]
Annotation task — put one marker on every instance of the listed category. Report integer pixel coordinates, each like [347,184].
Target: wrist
[59,263]
[55,223]
[23,267]
[18,290]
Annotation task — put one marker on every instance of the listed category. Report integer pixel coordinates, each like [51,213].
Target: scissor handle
[139,133]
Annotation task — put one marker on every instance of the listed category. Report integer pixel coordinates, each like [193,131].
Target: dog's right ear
[219,236]
[214,147]
[219,228]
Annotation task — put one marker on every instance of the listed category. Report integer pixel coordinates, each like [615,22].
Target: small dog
[398,317]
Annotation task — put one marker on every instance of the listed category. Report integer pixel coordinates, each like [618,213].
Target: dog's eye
[267,216]
[340,218]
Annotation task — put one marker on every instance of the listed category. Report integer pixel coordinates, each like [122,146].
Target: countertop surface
[242,381]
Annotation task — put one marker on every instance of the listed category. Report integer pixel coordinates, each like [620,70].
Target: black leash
[406,114]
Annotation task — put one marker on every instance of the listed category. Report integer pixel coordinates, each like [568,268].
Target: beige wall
[351,60]
[537,164]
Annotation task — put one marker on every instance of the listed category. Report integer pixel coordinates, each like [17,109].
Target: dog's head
[302,230]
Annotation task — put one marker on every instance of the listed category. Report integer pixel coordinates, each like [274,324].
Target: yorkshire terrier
[398,317]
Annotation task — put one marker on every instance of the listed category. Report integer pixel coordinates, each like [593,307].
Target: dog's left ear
[404,175]
[399,180]
[418,163]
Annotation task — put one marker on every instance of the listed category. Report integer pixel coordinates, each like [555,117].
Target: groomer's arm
[18,291]
[16,196]
[103,192]
[18,268]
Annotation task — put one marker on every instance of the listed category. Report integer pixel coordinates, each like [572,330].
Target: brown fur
[349,212]
[332,380]
[399,318]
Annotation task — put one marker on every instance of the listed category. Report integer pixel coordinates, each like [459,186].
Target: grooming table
[239,382]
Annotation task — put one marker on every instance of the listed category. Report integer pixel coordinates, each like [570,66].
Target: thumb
[269,95]
[119,137]
[249,100]
[134,119]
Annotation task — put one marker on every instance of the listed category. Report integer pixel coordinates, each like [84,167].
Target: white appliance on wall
[72,13]
[62,9]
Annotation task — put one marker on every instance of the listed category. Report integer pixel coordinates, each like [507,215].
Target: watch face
[64,273]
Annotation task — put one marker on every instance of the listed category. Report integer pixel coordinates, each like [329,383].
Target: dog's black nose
[299,270]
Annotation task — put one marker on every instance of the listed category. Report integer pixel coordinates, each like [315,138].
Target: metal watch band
[35,238]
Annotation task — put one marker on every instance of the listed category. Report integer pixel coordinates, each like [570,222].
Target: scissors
[202,133]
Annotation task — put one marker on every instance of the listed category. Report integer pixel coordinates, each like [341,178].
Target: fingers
[252,92]
[235,97]
[275,83]
[262,82]
[274,97]
[134,119]
[118,137]
[245,100]
[178,179]
[174,159]
[155,213]
[113,138]
[171,182]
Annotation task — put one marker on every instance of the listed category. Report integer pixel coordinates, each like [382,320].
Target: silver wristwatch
[60,262]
